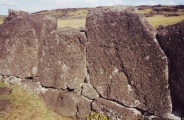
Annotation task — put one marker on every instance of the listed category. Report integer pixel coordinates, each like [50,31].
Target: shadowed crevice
[176,103]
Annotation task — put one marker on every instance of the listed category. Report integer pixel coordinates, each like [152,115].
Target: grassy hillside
[162,20]
[76,23]
[156,15]
[26,106]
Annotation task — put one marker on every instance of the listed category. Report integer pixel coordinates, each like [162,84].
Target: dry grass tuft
[75,23]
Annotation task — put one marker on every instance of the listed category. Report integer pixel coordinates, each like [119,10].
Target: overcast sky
[37,5]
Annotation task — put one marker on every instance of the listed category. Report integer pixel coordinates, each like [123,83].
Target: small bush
[97,116]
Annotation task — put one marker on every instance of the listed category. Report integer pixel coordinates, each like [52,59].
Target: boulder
[5,106]
[5,90]
[171,39]
[20,38]
[67,103]
[63,59]
[125,61]
[115,111]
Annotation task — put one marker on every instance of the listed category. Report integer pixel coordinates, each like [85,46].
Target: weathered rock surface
[89,92]
[63,59]
[5,106]
[119,65]
[126,64]
[20,38]
[67,103]
[14,14]
[171,39]
[1,77]
[11,80]
[5,90]
[115,111]
[33,87]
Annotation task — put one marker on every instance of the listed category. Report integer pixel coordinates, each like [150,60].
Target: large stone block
[68,104]
[5,90]
[171,39]
[63,59]
[126,63]
[20,38]
[5,106]
[114,110]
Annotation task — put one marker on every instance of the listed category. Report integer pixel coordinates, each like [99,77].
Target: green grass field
[75,23]
[77,19]
[144,11]
[162,20]
[27,106]
[155,21]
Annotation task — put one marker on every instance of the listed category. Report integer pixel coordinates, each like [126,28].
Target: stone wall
[115,66]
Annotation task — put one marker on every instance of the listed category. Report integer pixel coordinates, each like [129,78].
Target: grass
[97,116]
[75,23]
[1,19]
[162,20]
[27,106]
[144,11]
[78,14]
[155,21]
[77,18]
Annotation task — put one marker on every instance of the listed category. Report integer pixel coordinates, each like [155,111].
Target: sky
[38,5]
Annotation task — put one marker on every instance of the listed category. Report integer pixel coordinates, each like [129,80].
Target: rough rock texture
[119,69]
[89,92]
[15,13]
[63,59]
[20,38]
[171,39]
[115,111]
[67,103]
[5,90]
[33,87]
[11,80]
[154,118]
[5,106]
[126,64]
[1,77]
[29,85]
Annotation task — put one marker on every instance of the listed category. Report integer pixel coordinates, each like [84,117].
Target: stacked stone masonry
[114,66]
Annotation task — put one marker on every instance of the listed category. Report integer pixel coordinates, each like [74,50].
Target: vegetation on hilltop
[156,15]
